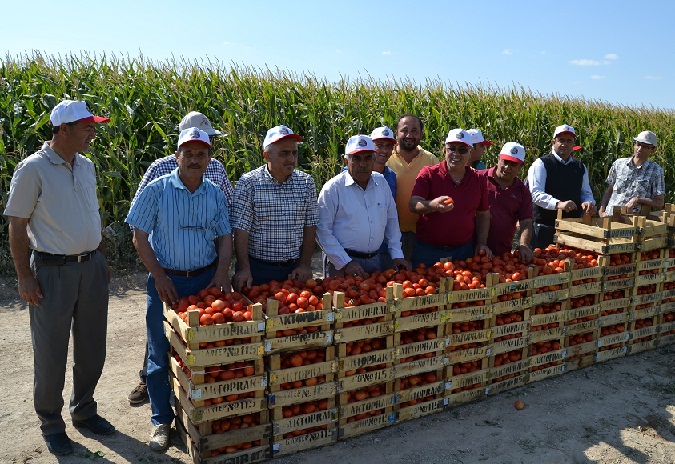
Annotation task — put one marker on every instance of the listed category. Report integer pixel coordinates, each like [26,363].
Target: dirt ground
[620,411]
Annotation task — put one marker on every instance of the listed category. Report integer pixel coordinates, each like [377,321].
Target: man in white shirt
[558,181]
[356,214]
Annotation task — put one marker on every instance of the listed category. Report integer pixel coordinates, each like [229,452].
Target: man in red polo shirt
[510,203]
[451,199]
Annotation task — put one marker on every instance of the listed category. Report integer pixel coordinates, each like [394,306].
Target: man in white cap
[55,239]
[407,161]
[479,147]
[558,181]
[357,214]
[177,220]
[636,181]
[215,172]
[510,203]
[275,215]
[451,200]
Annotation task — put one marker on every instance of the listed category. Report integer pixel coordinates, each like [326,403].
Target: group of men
[394,204]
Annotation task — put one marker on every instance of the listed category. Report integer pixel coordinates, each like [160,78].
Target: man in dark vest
[558,181]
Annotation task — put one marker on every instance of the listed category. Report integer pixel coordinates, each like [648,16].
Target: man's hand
[221,282]
[484,248]
[29,290]
[525,254]
[301,273]
[633,203]
[440,206]
[566,206]
[400,263]
[166,290]
[242,279]
[354,269]
[589,208]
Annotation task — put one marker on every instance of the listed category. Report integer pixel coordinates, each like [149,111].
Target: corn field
[146,100]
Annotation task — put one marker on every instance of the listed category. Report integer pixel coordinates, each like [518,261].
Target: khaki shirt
[59,200]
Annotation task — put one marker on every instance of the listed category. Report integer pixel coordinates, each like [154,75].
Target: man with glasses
[177,220]
[452,201]
[275,215]
[635,182]
[215,172]
[558,181]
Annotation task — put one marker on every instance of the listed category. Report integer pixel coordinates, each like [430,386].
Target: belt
[192,273]
[60,260]
[290,262]
[358,254]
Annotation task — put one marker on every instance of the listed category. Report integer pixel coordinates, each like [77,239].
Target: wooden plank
[285,446]
[606,355]
[508,384]
[421,409]
[547,372]
[369,424]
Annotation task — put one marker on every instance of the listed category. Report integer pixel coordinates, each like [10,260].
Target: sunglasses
[644,145]
[460,150]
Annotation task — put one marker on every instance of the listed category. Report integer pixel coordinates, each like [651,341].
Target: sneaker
[159,440]
[96,424]
[59,444]
[139,394]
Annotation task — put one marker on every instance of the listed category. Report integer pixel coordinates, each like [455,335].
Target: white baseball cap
[71,111]
[359,143]
[461,136]
[277,133]
[564,128]
[193,135]
[513,151]
[647,137]
[477,137]
[198,120]
[382,133]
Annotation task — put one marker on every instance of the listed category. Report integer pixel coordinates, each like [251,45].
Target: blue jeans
[385,258]
[430,254]
[157,381]
[263,272]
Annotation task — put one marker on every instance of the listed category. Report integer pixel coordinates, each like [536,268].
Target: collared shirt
[356,219]
[536,180]
[406,175]
[183,226]
[508,205]
[456,227]
[59,200]
[629,180]
[389,176]
[215,172]
[274,214]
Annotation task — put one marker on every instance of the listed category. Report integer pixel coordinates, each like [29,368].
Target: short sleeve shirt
[645,181]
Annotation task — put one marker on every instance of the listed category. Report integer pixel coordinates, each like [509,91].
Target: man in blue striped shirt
[177,221]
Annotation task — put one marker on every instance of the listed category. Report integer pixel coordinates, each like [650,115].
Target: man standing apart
[635,181]
[407,161]
[452,202]
[55,239]
[510,203]
[275,215]
[558,181]
[356,215]
[177,220]
[215,172]
[479,147]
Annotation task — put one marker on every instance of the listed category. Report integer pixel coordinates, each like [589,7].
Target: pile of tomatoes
[418,380]
[303,358]
[214,306]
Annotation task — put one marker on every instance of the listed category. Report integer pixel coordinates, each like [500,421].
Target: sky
[615,51]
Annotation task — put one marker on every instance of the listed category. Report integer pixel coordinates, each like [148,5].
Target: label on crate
[244,457]
[550,318]
[666,327]
[366,406]
[650,265]
[421,302]
[475,336]
[422,409]
[367,424]
[359,332]
[308,318]
[512,287]
[365,379]
[461,296]
[551,297]
[419,320]
[642,346]
[512,305]
[610,354]
[649,279]
[587,273]
[222,331]
[546,372]
[651,311]
[613,339]
[544,358]
[302,394]
[466,396]
[510,368]
[507,384]
[413,349]
[644,332]
[613,319]
[215,355]
[471,313]
[551,279]
[304,421]
[362,312]
[295,374]
[308,438]
[585,289]
[581,327]
[510,344]
[581,348]
[363,360]
[469,354]
[299,341]
[418,393]
[621,269]
[583,311]
[668,294]
[510,329]
[420,365]
[646,298]
[225,409]
[545,335]
[472,378]
[618,284]
[213,390]
[618,303]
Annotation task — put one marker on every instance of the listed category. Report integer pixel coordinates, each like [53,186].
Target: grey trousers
[75,297]
[369,265]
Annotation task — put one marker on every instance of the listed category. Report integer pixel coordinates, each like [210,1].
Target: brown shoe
[139,394]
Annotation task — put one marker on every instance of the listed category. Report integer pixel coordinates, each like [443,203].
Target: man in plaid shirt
[275,214]
[636,181]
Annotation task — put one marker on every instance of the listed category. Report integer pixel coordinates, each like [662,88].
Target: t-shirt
[406,175]
[455,227]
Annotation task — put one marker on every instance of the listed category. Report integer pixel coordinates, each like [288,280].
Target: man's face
[643,150]
[192,158]
[282,157]
[563,144]
[383,149]
[80,134]
[360,166]
[507,170]
[457,155]
[408,133]
[477,152]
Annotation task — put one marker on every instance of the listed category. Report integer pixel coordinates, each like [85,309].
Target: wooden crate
[547,358]
[363,416]
[286,332]
[282,425]
[579,362]
[419,356]
[359,370]
[285,446]
[426,397]
[463,343]
[547,321]
[466,376]
[419,311]
[509,375]
[610,353]
[601,235]
[354,323]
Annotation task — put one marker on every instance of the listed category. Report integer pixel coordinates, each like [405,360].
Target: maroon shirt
[507,206]
[456,227]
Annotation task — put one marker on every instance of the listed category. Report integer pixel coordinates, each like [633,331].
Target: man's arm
[605,199]
[482,230]
[525,249]
[657,202]
[536,180]
[304,269]
[421,206]
[243,277]
[165,288]
[29,289]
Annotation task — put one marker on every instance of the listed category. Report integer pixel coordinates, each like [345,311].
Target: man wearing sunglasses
[451,199]
[177,220]
[635,182]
